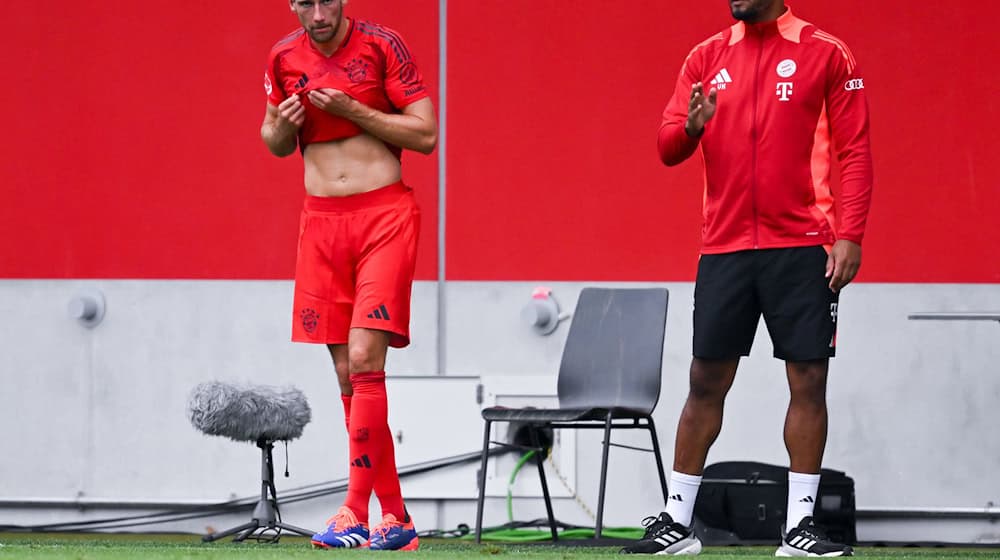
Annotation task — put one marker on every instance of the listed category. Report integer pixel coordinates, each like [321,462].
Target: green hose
[510,483]
[544,534]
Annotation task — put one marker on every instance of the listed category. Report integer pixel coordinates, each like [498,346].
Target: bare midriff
[353,165]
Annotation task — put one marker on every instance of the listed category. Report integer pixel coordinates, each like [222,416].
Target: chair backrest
[614,351]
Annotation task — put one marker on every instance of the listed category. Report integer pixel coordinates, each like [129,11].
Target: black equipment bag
[743,502]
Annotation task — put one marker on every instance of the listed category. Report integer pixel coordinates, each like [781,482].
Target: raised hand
[333,101]
[701,109]
[291,114]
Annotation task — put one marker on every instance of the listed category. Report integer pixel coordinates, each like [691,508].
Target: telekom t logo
[784,91]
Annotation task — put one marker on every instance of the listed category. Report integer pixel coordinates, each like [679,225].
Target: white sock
[801,497]
[683,489]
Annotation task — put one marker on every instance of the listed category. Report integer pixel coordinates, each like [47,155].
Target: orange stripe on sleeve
[846,52]
[698,47]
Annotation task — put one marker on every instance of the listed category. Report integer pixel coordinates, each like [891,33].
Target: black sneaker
[809,540]
[664,536]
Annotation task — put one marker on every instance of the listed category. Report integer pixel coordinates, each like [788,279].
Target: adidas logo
[677,497]
[721,79]
[362,462]
[302,82]
[807,500]
[380,313]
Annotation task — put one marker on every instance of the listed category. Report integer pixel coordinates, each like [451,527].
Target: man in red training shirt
[348,94]
[769,100]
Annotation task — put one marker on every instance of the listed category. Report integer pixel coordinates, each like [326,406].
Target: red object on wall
[131,148]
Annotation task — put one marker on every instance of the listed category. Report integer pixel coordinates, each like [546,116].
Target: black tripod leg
[294,529]
[252,526]
[250,530]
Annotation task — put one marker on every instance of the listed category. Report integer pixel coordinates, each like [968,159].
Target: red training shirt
[373,65]
[789,96]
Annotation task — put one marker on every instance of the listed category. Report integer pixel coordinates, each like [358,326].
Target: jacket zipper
[753,136]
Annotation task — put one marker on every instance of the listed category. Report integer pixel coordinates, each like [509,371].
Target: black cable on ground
[293,495]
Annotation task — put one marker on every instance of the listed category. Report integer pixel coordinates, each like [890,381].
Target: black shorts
[788,286]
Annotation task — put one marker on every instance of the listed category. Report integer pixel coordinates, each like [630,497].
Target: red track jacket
[785,90]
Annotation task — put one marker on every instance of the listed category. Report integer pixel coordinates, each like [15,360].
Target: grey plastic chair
[609,378]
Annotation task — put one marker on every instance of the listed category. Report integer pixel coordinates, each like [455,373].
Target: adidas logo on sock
[677,497]
[721,79]
[362,462]
[807,500]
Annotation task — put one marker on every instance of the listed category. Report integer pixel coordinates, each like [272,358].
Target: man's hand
[291,114]
[843,263]
[701,109]
[335,102]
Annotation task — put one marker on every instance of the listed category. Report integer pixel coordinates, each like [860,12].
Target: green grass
[17,546]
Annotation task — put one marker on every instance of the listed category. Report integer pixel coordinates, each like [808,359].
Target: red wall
[131,145]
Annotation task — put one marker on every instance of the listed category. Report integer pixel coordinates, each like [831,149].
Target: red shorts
[355,265]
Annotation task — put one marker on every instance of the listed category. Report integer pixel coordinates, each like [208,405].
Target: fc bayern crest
[786,68]
[310,320]
[356,70]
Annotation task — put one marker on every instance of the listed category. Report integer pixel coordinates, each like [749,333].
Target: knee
[363,358]
[808,384]
[706,392]
[708,387]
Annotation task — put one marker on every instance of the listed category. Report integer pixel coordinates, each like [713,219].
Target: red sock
[386,486]
[346,399]
[390,497]
[369,417]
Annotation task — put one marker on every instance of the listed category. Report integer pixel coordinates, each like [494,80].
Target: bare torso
[353,165]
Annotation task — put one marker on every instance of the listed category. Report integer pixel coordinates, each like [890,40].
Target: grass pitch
[62,546]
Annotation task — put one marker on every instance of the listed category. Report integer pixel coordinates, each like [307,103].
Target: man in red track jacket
[769,101]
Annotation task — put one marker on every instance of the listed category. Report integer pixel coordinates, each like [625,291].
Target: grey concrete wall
[99,415]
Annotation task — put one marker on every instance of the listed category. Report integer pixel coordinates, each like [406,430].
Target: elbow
[276,145]
[669,157]
[671,154]
[674,145]
[428,143]
[279,149]
[671,161]
[282,151]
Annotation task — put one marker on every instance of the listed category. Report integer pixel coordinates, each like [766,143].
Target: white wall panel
[101,413]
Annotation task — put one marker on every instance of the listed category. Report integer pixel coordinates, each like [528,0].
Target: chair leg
[659,459]
[604,477]
[540,461]
[482,483]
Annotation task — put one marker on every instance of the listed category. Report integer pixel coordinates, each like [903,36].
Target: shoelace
[382,529]
[650,524]
[814,533]
[340,521]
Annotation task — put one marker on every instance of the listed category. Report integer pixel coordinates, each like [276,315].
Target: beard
[750,13]
[325,34]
